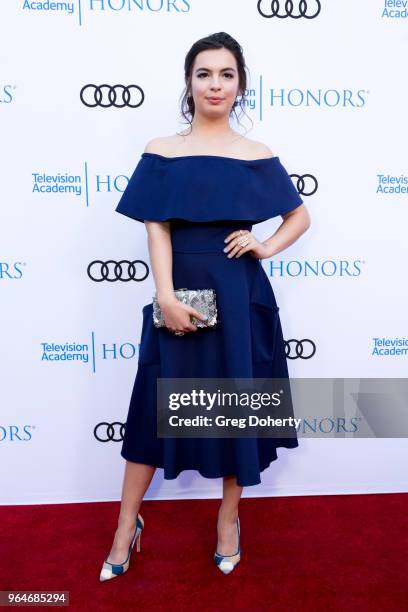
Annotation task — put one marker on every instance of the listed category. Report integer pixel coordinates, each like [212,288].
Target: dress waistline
[199,251]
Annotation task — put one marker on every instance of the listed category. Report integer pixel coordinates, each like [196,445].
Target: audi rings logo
[296,10]
[111,95]
[109,432]
[299,349]
[122,270]
[303,185]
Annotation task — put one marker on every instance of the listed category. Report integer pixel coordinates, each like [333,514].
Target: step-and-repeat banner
[83,86]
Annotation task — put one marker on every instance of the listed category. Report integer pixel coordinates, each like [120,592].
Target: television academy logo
[390,347]
[171,8]
[16,433]
[11,271]
[106,96]
[317,97]
[269,96]
[318,268]
[288,8]
[123,270]
[328,425]
[7,94]
[92,352]
[85,183]
[392,183]
[395,9]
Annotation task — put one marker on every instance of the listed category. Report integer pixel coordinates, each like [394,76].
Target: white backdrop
[327,94]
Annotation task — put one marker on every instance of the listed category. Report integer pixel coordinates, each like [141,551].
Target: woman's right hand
[177,315]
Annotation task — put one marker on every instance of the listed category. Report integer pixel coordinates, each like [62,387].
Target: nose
[215,85]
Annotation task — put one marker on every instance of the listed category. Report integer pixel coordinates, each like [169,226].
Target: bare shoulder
[160,145]
[169,146]
[258,149]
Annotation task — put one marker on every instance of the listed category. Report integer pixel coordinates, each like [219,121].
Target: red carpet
[336,553]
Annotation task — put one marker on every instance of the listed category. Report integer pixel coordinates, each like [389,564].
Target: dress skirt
[247,343]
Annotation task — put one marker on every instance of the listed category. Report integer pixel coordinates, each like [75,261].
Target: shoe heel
[226,563]
[112,570]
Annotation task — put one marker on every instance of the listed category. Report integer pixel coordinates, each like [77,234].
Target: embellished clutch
[203,300]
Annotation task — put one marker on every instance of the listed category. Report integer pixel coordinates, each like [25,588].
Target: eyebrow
[208,69]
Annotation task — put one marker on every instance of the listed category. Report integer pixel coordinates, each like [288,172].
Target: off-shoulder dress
[206,197]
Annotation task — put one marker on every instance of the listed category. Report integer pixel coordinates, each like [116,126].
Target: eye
[229,75]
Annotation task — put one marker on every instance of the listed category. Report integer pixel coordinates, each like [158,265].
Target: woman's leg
[136,481]
[227,516]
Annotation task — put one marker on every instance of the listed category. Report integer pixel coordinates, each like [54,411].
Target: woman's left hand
[249,245]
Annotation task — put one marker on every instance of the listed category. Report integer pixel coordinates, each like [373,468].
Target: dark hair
[218,40]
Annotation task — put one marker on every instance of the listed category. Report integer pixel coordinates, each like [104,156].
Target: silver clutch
[203,300]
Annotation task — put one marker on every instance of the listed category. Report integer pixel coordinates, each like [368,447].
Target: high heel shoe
[226,563]
[113,570]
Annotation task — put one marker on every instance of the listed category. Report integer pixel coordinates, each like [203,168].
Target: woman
[199,193]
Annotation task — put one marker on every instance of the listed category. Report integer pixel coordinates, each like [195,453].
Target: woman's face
[214,81]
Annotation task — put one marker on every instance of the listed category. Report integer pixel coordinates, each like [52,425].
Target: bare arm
[176,314]
[159,243]
[295,223]
[161,257]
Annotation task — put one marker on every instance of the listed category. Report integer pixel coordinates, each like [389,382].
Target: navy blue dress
[206,197]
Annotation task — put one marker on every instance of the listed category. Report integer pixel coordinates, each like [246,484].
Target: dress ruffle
[203,188]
